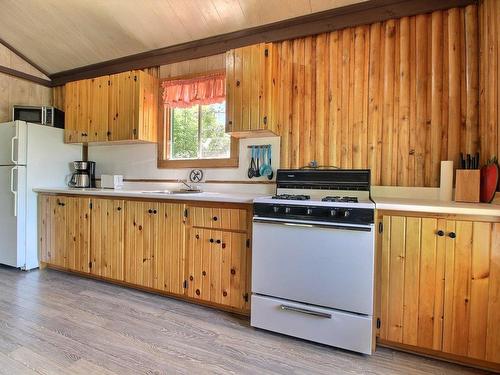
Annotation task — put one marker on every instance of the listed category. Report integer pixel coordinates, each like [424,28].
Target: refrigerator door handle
[14,191]
[13,142]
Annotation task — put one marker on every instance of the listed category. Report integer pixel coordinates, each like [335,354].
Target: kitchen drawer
[326,326]
[218,218]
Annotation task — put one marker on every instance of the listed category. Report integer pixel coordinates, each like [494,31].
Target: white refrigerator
[31,156]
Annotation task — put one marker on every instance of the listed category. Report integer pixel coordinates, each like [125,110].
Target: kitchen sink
[181,191]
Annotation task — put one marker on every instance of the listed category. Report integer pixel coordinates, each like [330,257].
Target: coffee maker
[84,175]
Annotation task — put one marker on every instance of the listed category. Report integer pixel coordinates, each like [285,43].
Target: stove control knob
[346,213]
[276,209]
[333,212]
[287,210]
[309,211]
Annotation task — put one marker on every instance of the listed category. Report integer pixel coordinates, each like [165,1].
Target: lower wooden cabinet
[218,267]
[152,244]
[440,285]
[65,230]
[107,238]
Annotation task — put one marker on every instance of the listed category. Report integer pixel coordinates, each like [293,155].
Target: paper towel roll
[446,181]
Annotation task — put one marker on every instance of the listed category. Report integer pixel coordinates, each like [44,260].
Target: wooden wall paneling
[472,79]
[404,102]
[454,83]
[45,224]
[388,104]
[436,86]
[394,98]
[308,144]
[374,103]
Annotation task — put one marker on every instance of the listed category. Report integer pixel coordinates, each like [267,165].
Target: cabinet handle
[218,241]
[215,218]
[155,212]
[211,240]
[452,235]
[238,83]
[150,211]
[440,233]
[197,236]
[223,245]
[119,208]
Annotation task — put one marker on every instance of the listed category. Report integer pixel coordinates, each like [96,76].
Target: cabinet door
[217,263]
[412,268]
[107,238]
[98,109]
[169,251]
[65,232]
[77,232]
[77,111]
[472,292]
[249,86]
[141,236]
[123,106]
[148,91]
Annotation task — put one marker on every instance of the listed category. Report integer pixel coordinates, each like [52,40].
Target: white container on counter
[109,181]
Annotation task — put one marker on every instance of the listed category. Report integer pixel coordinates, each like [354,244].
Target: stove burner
[340,199]
[292,197]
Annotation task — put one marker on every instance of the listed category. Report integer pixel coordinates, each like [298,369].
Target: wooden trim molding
[25,76]
[352,15]
[22,56]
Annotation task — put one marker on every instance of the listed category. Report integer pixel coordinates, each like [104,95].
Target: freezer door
[12,215]
[13,143]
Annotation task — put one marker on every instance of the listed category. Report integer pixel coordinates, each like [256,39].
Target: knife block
[467,185]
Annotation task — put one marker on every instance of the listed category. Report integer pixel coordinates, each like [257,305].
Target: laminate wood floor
[56,323]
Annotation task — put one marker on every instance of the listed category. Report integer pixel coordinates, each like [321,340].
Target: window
[198,132]
[194,120]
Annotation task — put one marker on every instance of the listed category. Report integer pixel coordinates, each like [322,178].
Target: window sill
[199,163]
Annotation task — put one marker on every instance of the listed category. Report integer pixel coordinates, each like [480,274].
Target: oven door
[318,264]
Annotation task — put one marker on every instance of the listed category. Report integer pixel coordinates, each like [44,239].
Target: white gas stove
[313,258]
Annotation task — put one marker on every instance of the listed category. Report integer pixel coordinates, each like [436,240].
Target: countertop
[390,203]
[436,206]
[156,194]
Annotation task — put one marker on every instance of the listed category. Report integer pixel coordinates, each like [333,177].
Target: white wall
[138,161]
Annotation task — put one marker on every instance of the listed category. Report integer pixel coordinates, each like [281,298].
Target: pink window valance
[184,93]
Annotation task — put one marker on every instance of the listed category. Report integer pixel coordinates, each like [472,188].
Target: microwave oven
[43,115]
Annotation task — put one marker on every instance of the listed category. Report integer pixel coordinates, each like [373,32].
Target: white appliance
[313,258]
[31,155]
[109,181]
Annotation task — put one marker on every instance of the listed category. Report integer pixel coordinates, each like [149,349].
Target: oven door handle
[306,311]
[313,225]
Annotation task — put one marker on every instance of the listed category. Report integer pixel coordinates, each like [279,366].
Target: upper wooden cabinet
[249,91]
[439,285]
[120,107]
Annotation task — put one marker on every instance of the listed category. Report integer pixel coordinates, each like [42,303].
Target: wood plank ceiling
[61,35]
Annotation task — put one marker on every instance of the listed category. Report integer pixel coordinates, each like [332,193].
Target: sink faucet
[189,187]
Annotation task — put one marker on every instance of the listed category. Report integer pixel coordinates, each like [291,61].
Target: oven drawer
[218,218]
[330,267]
[326,326]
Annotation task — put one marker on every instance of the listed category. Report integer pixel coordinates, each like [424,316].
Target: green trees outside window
[198,132]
